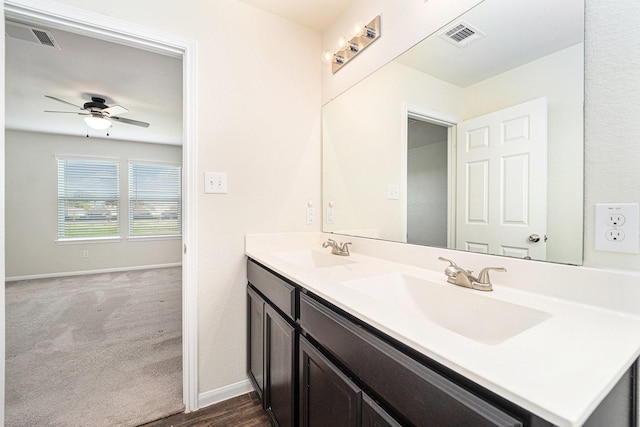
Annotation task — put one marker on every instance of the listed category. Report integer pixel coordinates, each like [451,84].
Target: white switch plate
[393,192]
[215,182]
[617,227]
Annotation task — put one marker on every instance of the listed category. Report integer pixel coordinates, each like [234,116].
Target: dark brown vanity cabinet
[280,368]
[314,365]
[327,396]
[272,344]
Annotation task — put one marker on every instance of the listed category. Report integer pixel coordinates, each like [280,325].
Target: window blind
[155,200]
[88,198]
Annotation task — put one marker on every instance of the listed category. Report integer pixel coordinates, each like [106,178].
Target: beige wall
[31,207]
[259,121]
[612,118]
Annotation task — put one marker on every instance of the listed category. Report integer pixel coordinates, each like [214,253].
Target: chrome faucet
[341,249]
[459,276]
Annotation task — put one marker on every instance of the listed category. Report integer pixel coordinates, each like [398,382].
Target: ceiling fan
[97,114]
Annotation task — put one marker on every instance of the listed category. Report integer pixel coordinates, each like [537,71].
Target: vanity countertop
[560,369]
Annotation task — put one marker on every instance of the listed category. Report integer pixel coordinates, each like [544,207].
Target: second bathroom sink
[463,311]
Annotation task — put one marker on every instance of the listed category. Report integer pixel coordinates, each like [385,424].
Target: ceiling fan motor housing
[96,102]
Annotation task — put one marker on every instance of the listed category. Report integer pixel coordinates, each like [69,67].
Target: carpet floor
[94,350]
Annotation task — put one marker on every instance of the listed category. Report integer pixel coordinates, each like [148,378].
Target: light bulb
[342,43]
[358,29]
[327,56]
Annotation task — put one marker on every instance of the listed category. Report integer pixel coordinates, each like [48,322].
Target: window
[155,200]
[88,198]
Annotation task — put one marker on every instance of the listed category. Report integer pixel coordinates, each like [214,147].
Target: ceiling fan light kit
[98,123]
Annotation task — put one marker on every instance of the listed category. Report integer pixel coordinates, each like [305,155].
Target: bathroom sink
[460,310]
[311,259]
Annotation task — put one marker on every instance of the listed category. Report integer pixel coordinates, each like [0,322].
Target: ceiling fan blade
[130,122]
[68,112]
[114,110]
[62,100]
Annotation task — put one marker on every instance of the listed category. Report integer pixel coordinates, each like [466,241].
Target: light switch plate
[616,227]
[215,182]
[393,192]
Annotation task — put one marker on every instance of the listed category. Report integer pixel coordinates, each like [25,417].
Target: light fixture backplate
[343,56]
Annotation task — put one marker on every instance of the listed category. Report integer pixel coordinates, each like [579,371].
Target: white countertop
[559,369]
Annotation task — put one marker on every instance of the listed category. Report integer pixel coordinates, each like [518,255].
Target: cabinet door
[374,416]
[255,341]
[280,353]
[327,396]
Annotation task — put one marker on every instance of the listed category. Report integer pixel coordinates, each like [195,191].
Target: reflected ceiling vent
[30,34]
[461,34]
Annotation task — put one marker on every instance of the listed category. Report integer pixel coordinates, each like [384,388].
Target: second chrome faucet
[459,276]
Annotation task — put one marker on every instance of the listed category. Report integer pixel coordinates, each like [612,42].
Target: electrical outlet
[614,235]
[615,219]
[85,254]
[616,228]
[311,215]
[330,215]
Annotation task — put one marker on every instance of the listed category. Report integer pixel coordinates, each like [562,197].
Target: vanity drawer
[280,293]
[421,395]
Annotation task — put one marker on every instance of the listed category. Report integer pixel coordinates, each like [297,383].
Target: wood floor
[241,411]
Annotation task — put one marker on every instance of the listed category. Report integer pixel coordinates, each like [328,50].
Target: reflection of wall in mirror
[362,146]
[362,130]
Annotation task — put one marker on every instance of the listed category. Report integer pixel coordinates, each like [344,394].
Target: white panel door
[502,181]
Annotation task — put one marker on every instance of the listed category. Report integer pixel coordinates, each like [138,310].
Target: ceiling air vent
[461,34]
[30,34]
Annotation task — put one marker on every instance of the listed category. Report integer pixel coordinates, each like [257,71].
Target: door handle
[536,238]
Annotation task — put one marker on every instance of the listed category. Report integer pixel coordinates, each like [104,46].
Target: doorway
[101,27]
[427,183]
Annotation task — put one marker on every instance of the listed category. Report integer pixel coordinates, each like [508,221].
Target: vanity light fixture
[348,49]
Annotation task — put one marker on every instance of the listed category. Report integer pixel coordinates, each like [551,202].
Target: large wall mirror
[472,139]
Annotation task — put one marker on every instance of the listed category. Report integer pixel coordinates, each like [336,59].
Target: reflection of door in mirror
[501,181]
[427,177]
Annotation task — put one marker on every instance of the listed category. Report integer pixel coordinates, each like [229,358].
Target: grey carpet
[94,350]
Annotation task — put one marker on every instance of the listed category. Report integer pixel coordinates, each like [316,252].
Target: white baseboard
[227,392]
[83,272]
